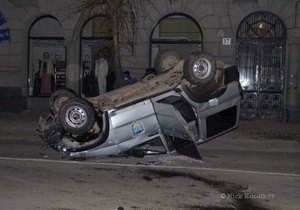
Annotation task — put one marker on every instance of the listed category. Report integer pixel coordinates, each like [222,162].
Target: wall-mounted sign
[226,41]
[4,32]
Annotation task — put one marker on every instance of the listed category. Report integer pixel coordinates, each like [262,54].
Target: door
[261,77]
[260,56]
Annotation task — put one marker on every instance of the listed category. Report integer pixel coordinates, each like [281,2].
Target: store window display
[97,71]
[46,75]
[89,82]
[47,57]
[96,58]
[101,71]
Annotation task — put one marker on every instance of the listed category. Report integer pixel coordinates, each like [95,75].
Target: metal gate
[260,57]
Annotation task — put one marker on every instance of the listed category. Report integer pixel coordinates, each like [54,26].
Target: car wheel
[58,97]
[165,60]
[199,68]
[77,116]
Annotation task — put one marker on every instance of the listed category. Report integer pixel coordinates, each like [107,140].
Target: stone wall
[217,19]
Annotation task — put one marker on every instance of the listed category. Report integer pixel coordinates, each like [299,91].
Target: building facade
[46,45]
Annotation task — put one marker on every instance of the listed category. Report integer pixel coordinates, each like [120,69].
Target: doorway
[260,57]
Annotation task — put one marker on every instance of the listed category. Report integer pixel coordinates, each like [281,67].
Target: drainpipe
[296,8]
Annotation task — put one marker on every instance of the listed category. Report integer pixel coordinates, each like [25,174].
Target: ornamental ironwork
[260,56]
[261,25]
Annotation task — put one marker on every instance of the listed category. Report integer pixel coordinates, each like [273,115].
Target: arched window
[46,57]
[96,42]
[177,32]
[261,25]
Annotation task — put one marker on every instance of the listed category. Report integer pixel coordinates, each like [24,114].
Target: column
[73,68]
[292,78]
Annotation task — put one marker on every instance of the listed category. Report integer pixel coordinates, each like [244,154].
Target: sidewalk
[23,125]
[20,125]
[260,135]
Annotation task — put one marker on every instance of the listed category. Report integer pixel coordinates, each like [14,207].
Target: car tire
[199,68]
[59,97]
[77,116]
[165,60]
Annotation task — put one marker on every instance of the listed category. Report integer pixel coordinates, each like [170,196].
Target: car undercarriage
[190,102]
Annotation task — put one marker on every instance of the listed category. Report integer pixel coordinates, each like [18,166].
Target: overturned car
[188,103]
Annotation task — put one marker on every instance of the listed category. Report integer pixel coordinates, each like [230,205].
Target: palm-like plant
[119,19]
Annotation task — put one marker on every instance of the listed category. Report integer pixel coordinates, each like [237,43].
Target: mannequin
[101,71]
[46,73]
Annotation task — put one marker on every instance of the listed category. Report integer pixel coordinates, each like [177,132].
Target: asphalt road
[34,177]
